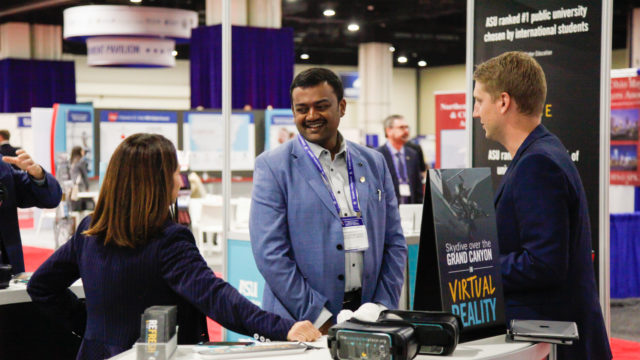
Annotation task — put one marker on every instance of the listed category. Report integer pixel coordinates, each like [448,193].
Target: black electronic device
[554,332]
[5,275]
[382,340]
[437,332]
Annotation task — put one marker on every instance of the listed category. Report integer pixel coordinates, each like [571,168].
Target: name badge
[354,233]
[405,190]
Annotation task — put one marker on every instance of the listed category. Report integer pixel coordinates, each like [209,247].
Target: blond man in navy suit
[541,208]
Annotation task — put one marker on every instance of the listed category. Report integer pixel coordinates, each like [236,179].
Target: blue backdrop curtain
[625,255]
[35,83]
[262,67]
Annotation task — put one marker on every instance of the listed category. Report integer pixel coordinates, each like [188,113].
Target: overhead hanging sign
[81,22]
[119,35]
[110,51]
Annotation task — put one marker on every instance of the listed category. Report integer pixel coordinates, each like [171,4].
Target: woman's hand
[303,331]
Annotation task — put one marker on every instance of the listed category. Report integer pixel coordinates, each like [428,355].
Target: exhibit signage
[451,122]
[24,121]
[625,111]
[458,259]
[279,127]
[565,38]
[116,125]
[74,127]
[203,138]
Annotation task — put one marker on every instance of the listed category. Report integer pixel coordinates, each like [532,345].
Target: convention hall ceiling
[430,30]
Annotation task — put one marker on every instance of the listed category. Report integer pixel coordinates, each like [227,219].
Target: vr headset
[397,334]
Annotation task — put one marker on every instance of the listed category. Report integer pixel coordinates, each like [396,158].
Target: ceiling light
[422,63]
[392,49]
[353,27]
[402,59]
[174,53]
[304,56]
[328,12]
[136,1]
[370,7]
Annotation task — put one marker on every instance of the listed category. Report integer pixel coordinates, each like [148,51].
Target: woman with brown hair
[131,255]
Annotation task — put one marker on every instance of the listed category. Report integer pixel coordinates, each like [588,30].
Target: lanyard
[350,172]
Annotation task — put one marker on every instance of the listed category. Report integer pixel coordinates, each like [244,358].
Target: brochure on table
[116,125]
[203,138]
[279,127]
[74,127]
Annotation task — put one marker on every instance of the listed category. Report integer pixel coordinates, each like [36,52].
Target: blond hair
[517,74]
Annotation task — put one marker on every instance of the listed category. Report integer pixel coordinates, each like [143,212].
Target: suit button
[340,277]
[339,247]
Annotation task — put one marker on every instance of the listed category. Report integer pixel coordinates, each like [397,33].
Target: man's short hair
[517,74]
[6,135]
[316,76]
[388,122]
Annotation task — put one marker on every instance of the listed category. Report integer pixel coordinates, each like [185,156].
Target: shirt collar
[317,149]
[393,150]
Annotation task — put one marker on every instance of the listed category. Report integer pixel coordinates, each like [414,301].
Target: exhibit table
[23,325]
[494,348]
[17,293]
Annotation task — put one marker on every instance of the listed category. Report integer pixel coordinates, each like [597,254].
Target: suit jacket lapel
[306,168]
[361,171]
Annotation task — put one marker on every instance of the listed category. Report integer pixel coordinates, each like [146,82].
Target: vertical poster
[74,127]
[203,138]
[458,258]
[451,135]
[565,38]
[279,127]
[116,125]
[625,112]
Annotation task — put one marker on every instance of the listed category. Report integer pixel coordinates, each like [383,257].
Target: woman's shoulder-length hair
[136,192]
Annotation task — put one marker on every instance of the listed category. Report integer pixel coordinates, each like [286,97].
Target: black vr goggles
[397,334]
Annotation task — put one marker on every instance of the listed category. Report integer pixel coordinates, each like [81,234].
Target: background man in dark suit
[403,161]
[541,208]
[18,188]
[5,148]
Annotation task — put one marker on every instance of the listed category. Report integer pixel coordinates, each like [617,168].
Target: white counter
[493,348]
[17,293]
